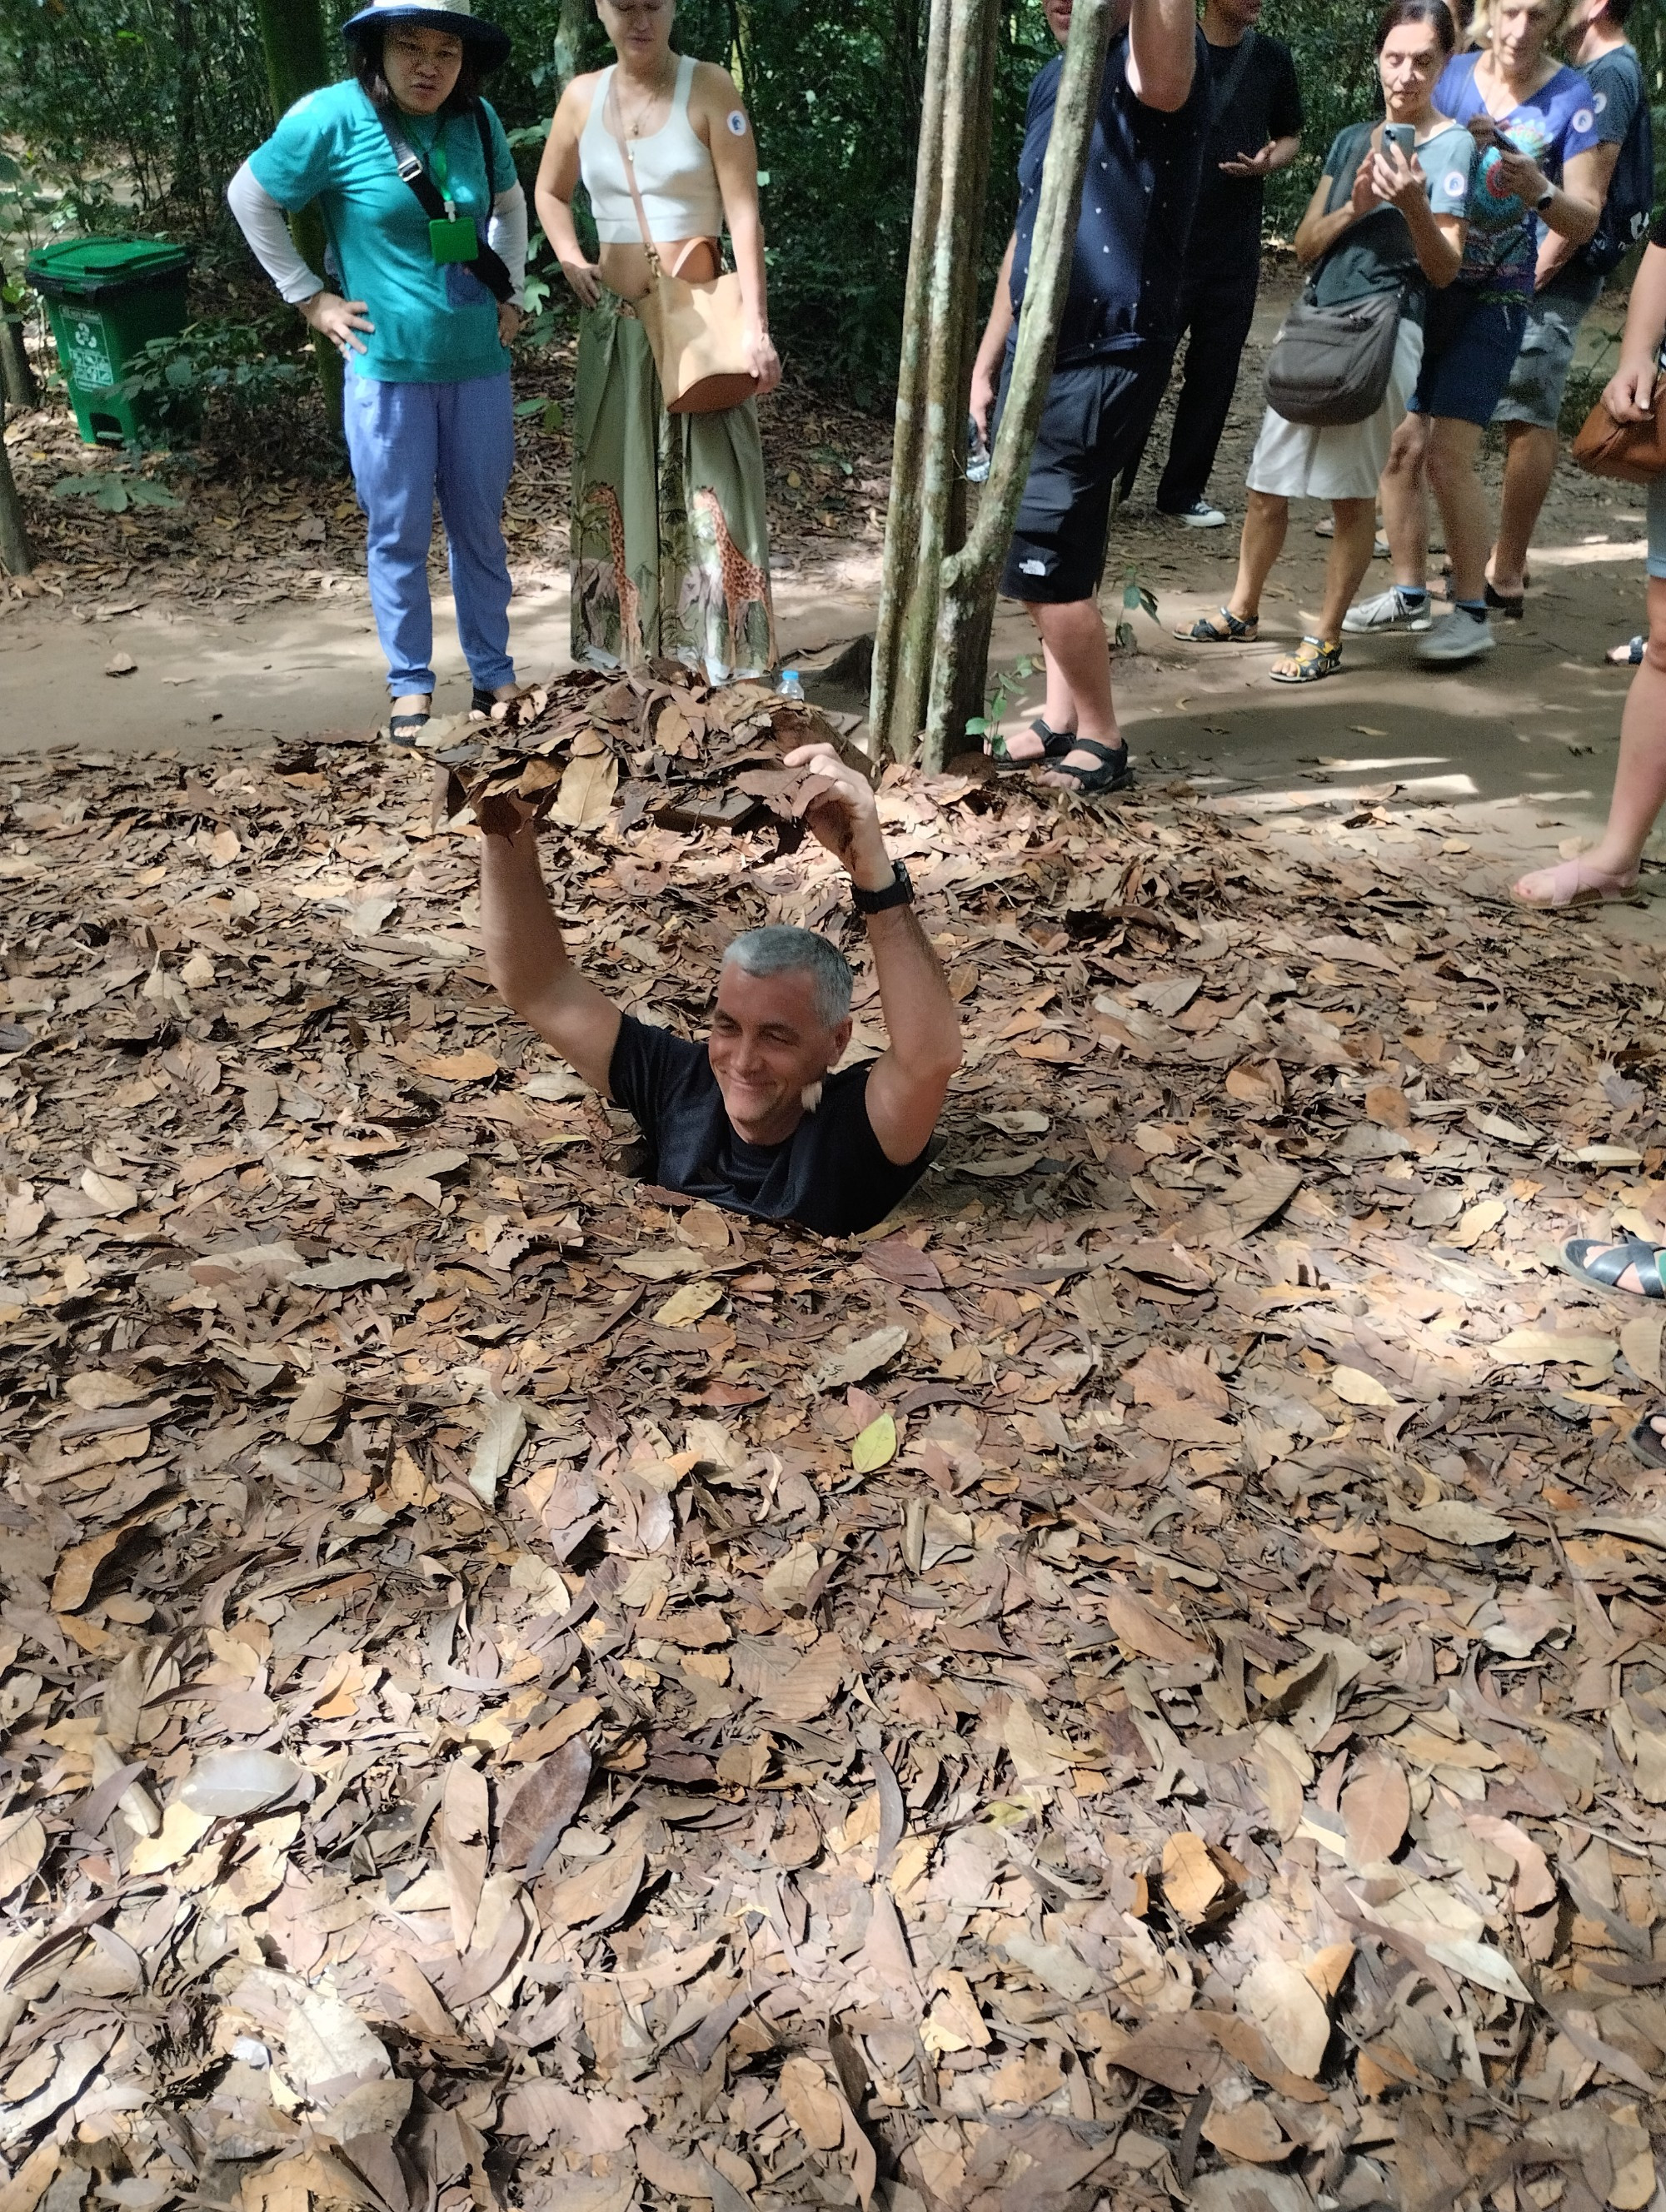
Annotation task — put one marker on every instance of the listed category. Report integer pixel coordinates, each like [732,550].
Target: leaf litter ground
[1143,1681]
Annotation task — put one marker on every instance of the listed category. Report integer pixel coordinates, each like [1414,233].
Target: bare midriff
[624,267]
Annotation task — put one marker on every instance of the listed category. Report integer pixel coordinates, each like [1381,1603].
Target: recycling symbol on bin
[89,358]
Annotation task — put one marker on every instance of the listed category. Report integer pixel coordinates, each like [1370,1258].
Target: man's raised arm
[908,1082]
[1161,52]
[525,956]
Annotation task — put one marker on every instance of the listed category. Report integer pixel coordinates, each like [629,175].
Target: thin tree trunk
[17,378]
[187,153]
[297,61]
[16,554]
[571,22]
[907,456]
[953,260]
[969,576]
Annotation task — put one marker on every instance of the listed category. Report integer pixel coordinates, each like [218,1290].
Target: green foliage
[1000,697]
[252,375]
[1135,595]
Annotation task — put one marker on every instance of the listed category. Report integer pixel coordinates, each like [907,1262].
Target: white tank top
[674,172]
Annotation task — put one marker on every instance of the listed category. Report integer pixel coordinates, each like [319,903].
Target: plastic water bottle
[978,453]
[792,686]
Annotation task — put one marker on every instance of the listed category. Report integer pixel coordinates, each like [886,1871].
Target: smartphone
[1402,135]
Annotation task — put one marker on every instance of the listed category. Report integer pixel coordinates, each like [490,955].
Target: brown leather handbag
[1633,453]
[697,332]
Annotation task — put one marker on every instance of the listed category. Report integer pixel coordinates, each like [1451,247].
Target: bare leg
[1058,711]
[1529,465]
[1350,557]
[1639,786]
[411,702]
[1073,635]
[1453,446]
[1266,519]
[1405,504]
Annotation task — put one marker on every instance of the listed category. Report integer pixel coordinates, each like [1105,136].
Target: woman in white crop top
[669,541]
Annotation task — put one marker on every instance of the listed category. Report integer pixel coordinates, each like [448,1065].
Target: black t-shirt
[1137,202]
[831,1174]
[1266,103]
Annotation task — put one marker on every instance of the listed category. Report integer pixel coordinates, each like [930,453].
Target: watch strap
[899,891]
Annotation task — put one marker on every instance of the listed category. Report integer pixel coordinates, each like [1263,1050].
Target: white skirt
[1296,461]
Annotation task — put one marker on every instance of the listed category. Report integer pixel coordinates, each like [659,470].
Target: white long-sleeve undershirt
[261,221]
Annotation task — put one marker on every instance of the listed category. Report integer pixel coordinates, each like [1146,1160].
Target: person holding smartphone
[1534,123]
[1387,216]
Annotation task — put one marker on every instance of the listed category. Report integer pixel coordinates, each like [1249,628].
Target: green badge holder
[453,239]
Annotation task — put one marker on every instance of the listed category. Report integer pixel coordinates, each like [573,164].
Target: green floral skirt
[670,544]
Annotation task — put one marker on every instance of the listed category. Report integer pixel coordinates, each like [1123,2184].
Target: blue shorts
[1469,348]
[1657,528]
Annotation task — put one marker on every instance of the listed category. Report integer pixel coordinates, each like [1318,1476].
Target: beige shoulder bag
[697,332]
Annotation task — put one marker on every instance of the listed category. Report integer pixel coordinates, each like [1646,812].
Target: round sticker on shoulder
[1457,184]
[737,123]
[1599,100]
[1584,119]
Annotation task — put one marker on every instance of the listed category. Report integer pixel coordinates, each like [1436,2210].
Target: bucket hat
[490,43]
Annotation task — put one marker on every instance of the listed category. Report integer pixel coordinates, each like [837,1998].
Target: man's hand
[339,320]
[509,320]
[982,406]
[1364,196]
[1258,164]
[1630,394]
[838,809]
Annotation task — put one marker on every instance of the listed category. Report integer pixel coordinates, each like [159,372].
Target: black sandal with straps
[1600,1265]
[1113,773]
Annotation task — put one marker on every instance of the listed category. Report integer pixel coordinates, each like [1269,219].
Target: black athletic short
[1095,417]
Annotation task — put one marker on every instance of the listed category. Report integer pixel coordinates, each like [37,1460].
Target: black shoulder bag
[486,261]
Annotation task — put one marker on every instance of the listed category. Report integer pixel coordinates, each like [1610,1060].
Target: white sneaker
[1460,636]
[1200,515]
[1389,609]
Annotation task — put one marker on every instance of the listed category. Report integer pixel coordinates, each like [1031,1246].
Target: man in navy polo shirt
[1116,343]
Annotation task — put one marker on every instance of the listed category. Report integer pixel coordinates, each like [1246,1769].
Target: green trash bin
[107,298]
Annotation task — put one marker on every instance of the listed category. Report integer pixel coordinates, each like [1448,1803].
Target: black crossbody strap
[488,265]
[1225,90]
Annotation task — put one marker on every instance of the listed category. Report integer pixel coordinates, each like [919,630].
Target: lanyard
[436,152]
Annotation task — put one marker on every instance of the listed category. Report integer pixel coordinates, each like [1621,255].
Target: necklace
[634,129]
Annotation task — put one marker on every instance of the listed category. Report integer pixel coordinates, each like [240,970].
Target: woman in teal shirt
[428,231]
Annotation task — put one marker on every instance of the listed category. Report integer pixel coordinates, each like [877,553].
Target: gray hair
[778,949]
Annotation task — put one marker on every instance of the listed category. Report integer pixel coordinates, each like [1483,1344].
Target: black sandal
[1512,605]
[1055,744]
[1206,630]
[1603,1272]
[1647,1442]
[404,729]
[484,701]
[1113,773]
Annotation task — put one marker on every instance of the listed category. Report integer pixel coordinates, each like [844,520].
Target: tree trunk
[17,380]
[297,61]
[187,152]
[571,22]
[970,575]
[16,556]
[891,729]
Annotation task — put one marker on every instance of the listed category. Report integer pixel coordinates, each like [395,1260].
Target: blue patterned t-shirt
[1551,125]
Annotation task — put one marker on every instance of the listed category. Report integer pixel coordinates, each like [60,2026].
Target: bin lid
[88,266]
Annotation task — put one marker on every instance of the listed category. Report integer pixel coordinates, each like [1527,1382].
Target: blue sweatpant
[408,442]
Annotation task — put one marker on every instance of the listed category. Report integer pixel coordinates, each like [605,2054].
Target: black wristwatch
[1544,198]
[899,891]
